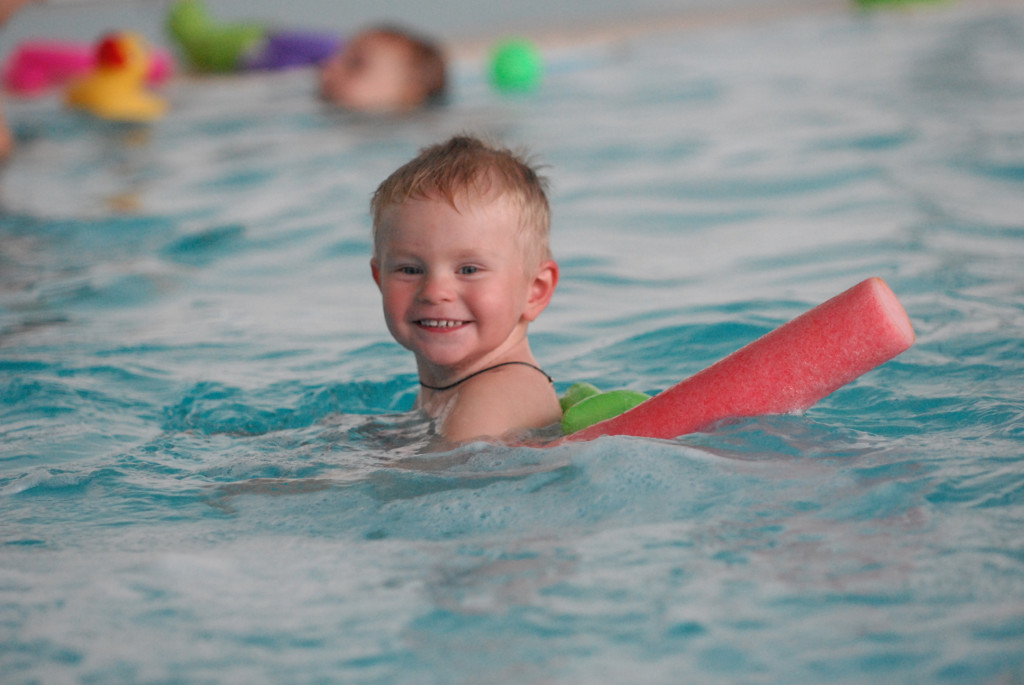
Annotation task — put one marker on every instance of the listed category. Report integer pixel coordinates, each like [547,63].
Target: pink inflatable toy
[786,370]
[36,67]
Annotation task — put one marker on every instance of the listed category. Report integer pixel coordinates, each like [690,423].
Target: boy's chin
[440,363]
[443,365]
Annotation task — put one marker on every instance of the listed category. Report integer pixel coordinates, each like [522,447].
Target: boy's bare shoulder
[512,398]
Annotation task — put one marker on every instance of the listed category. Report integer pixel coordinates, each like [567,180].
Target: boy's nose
[436,288]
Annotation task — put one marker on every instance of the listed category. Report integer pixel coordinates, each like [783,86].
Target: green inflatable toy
[576,393]
[583,405]
[208,45]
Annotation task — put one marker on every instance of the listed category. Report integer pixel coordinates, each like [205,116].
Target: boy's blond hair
[468,168]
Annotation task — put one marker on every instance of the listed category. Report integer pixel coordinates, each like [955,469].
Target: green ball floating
[596,407]
[516,66]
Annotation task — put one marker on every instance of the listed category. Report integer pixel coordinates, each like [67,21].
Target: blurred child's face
[455,287]
[372,72]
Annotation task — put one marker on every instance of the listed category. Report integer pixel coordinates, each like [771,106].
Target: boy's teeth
[437,323]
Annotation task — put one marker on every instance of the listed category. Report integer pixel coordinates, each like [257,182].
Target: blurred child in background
[379,69]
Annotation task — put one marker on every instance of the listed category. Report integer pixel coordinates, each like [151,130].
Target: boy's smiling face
[455,287]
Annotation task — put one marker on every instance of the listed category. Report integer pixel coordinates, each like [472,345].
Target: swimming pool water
[206,469]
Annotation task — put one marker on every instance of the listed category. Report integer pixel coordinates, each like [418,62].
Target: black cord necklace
[442,388]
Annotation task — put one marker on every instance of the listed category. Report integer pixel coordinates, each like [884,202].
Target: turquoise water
[206,467]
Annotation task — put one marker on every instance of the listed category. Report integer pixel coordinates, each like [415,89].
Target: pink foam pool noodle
[786,370]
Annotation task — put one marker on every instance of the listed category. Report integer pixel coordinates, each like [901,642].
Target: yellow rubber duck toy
[115,89]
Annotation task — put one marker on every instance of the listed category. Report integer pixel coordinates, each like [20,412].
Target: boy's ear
[541,289]
[375,270]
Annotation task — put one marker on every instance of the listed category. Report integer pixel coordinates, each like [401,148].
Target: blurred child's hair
[467,168]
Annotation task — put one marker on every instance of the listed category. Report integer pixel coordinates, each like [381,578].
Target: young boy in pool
[461,257]
[380,69]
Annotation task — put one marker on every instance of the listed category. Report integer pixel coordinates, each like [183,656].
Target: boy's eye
[468,270]
[409,270]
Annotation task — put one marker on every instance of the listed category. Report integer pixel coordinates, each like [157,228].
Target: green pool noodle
[211,46]
[596,408]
